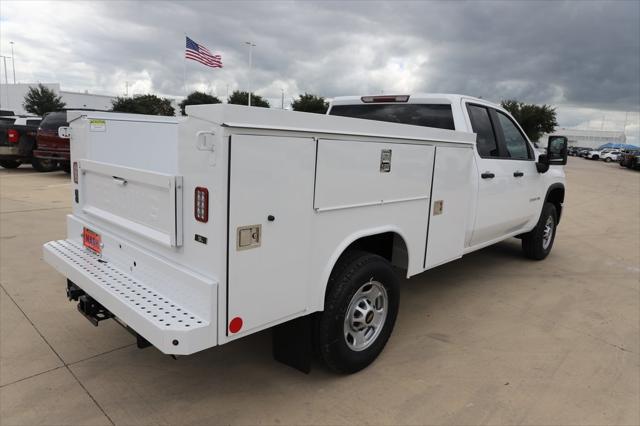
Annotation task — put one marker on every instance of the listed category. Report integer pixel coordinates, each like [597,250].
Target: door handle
[487,175]
[119,181]
[518,174]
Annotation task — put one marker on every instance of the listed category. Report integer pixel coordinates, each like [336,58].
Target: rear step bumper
[171,328]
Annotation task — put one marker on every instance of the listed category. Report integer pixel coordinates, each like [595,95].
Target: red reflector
[235,325]
[13,136]
[75,172]
[201,204]
[386,98]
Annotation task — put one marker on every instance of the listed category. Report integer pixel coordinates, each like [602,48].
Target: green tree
[310,103]
[241,98]
[534,119]
[143,104]
[40,100]
[198,98]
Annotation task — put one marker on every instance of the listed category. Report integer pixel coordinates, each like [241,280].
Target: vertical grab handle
[205,140]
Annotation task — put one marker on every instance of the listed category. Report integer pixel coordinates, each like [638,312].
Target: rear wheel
[10,164]
[537,243]
[360,311]
[607,160]
[44,165]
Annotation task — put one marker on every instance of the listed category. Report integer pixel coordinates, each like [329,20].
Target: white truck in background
[194,232]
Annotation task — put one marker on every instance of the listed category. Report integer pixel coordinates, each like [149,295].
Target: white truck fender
[318,295]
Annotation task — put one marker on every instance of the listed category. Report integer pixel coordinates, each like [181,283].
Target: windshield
[426,115]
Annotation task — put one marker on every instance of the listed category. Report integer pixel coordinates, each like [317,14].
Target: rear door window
[54,120]
[33,122]
[486,143]
[514,141]
[7,120]
[426,115]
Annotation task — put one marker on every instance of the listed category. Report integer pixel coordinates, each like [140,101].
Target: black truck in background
[17,139]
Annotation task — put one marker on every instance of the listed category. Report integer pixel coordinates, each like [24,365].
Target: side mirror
[557,150]
[556,154]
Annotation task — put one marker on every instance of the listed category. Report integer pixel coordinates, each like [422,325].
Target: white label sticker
[98,125]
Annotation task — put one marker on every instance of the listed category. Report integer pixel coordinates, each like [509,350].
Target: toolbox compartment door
[450,196]
[145,203]
[270,213]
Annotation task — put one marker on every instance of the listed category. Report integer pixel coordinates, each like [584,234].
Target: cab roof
[416,98]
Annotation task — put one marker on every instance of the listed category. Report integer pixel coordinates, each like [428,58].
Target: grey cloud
[570,53]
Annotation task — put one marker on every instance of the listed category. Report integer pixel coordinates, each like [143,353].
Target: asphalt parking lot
[490,339]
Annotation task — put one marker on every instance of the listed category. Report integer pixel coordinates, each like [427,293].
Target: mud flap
[292,343]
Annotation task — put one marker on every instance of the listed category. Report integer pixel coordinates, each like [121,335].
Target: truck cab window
[481,125]
[515,142]
[426,115]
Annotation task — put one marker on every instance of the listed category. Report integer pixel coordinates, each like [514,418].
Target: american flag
[199,53]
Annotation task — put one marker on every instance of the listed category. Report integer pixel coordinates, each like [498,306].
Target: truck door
[495,214]
[521,162]
[508,175]
[270,210]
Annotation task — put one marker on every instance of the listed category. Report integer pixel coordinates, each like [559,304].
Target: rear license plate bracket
[92,240]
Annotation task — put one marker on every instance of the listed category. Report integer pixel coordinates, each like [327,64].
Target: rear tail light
[389,98]
[201,204]
[75,172]
[13,136]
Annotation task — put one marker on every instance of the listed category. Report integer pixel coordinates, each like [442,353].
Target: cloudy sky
[581,56]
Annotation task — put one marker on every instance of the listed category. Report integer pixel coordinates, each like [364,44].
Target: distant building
[12,97]
[587,138]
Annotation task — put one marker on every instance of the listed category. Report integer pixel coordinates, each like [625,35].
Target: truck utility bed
[286,193]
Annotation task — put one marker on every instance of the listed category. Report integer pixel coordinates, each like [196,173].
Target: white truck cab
[509,188]
[194,232]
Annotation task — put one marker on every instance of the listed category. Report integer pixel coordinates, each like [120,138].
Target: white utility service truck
[194,232]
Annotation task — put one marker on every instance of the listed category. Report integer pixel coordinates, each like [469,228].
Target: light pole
[251,46]
[4,58]
[13,63]
[282,104]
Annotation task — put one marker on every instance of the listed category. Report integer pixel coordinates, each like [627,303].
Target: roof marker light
[385,98]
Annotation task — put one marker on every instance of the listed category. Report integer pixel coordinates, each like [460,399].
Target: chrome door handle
[518,174]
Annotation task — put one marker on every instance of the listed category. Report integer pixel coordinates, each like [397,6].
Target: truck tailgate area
[146,203]
[152,306]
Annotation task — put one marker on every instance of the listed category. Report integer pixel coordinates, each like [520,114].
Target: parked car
[574,151]
[17,139]
[630,159]
[597,154]
[196,232]
[582,152]
[610,156]
[52,151]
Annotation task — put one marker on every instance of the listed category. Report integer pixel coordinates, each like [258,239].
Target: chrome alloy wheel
[366,315]
[547,233]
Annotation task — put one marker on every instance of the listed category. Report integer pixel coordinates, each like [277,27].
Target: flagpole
[251,45]
[184,69]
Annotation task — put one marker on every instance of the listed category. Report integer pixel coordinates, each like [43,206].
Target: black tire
[607,160]
[65,167]
[10,164]
[351,276]
[534,243]
[44,165]
[595,157]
